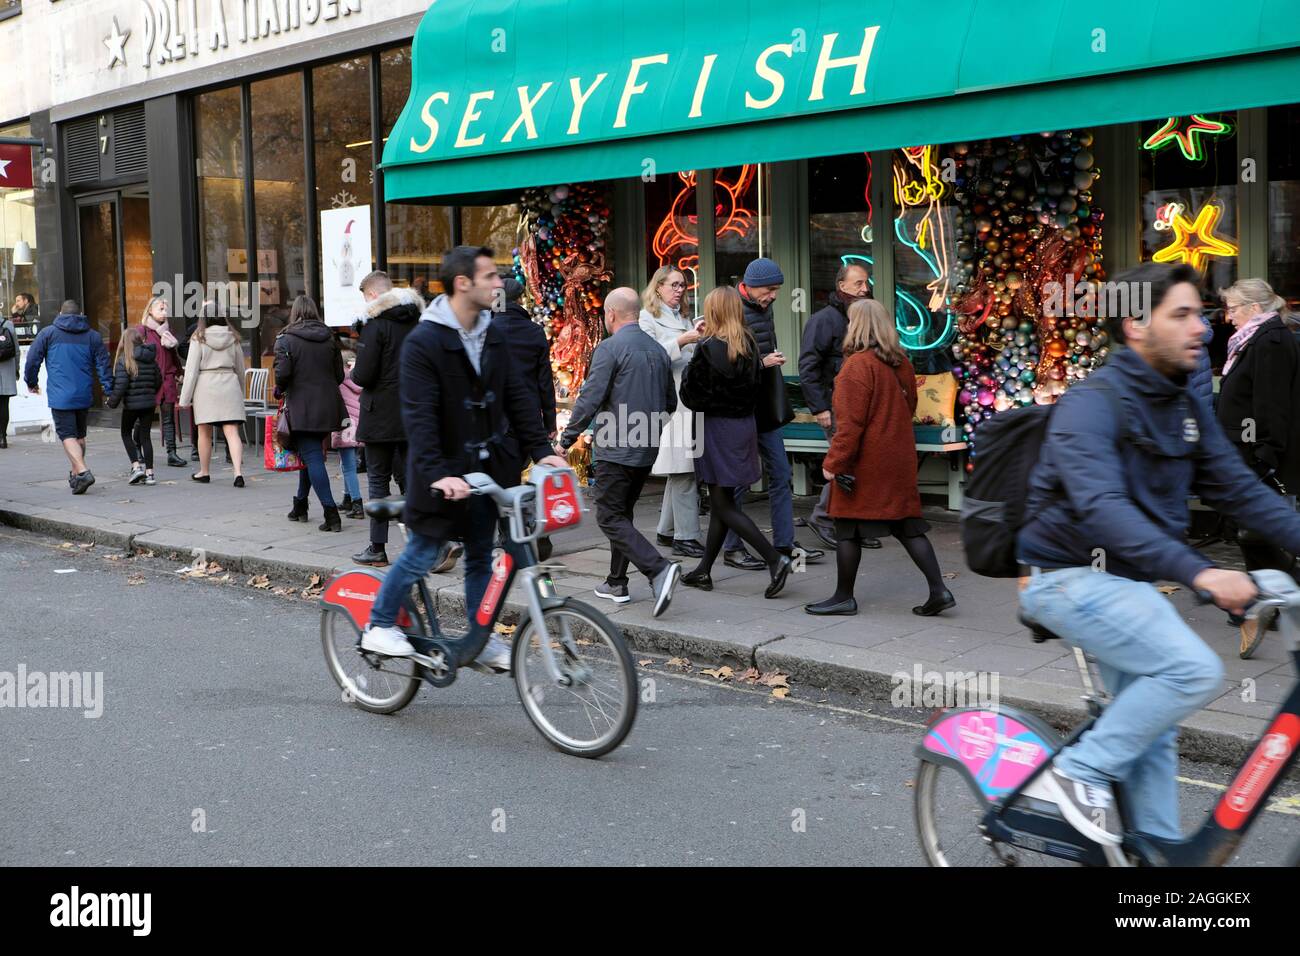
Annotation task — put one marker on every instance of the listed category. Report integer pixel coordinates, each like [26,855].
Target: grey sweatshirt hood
[440,312]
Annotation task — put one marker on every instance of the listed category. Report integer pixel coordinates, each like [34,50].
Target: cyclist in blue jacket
[1108,506]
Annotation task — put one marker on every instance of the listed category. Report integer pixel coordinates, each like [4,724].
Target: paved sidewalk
[245,530]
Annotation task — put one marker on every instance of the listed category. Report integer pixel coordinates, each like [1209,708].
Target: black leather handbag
[773,409]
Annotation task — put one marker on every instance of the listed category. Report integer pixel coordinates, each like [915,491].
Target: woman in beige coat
[661,318]
[214,389]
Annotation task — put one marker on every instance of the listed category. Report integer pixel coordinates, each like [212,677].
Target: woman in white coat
[661,317]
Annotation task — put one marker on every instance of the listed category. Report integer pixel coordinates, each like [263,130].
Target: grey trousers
[680,514]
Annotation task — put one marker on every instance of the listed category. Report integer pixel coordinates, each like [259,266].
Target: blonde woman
[721,383]
[1259,409]
[872,459]
[214,387]
[157,332]
[662,319]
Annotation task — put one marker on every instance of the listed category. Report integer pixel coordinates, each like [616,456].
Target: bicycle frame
[1001,763]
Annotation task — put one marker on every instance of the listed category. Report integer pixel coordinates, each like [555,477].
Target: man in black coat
[460,394]
[820,359]
[390,316]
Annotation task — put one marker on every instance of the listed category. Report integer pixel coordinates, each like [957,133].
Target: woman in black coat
[1259,409]
[136,381]
[308,372]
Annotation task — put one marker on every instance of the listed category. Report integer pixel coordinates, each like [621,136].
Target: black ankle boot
[346,506]
[299,512]
[356,509]
[332,521]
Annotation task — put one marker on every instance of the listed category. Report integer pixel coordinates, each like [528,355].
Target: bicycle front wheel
[590,709]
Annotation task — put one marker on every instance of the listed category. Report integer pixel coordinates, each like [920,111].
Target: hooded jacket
[308,372]
[73,354]
[388,320]
[214,377]
[822,353]
[139,391]
[457,413]
[1122,486]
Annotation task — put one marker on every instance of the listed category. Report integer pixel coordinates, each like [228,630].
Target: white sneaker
[495,656]
[389,641]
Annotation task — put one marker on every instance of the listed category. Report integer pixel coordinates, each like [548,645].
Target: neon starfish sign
[1194,240]
[1186,131]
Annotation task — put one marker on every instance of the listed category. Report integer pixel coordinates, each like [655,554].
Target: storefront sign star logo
[1194,241]
[1186,131]
[4,168]
[116,43]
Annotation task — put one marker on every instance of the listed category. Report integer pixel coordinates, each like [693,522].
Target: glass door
[102,285]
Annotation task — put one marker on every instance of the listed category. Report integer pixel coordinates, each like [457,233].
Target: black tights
[136,437]
[4,414]
[849,553]
[726,515]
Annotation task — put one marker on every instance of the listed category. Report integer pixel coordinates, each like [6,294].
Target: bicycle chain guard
[441,669]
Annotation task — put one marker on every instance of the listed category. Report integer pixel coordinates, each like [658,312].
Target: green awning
[508,94]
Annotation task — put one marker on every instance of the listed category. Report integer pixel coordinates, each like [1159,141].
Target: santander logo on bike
[500,574]
[1258,773]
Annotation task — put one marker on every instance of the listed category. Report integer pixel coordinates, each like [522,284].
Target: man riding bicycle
[459,402]
[1108,508]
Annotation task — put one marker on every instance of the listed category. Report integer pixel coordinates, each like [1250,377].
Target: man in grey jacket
[628,396]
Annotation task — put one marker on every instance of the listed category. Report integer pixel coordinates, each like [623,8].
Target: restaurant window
[495,227]
[278,199]
[17,224]
[344,161]
[219,148]
[417,236]
[839,219]
[1284,202]
[673,229]
[925,246]
[1188,183]
[742,221]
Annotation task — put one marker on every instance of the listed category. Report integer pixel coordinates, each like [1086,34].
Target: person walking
[531,353]
[308,373]
[158,333]
[9,371]
[459,395]
[721,383]
[661,318]
[758,291]
[73,354]
[820,359]
[390,316]
[1259,409]
[214,391]
[344,441]
[136,380]
[628,394]
[873,448]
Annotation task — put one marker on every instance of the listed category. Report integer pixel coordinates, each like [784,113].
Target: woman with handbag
[872,459]
[308,373]
[214,389]
[721,383]
[662,319]
[345,441]
[157,332]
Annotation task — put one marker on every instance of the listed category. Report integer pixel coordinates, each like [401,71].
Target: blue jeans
[315,476]
[771,448]
[422,552]
[348,459]
[1156,668]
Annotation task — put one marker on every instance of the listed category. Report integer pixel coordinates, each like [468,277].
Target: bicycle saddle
[390,509]
[1036,630]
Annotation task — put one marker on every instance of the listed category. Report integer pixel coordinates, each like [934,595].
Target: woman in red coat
[873,445]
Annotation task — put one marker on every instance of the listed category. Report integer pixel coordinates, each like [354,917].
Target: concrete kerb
[1209,736]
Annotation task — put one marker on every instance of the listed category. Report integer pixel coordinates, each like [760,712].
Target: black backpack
[8,345]
[994,500]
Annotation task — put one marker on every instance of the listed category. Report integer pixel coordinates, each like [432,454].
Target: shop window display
[673,227]
[219,144]
[343,140]
[742,223]
[840,226]
[1284,202]
[17,223]
[923,237]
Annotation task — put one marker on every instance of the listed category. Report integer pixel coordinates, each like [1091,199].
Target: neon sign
[1186,131]
[1194,240]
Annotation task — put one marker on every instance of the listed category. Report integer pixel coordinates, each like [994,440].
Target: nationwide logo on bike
[1253,781]
[496,587]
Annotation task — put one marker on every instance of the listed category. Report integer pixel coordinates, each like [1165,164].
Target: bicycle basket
[559,501]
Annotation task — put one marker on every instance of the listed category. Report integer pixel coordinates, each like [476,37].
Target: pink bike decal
[998,751]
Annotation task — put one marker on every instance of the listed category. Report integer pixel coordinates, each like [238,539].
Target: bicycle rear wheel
[382,690]
[948,816]
[591,709]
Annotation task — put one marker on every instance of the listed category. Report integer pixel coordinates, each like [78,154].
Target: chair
[256,404]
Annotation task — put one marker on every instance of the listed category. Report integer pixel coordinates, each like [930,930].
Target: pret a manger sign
[459,107]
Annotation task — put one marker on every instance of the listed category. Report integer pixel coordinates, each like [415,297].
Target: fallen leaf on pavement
[144,553]
[780,692]
[225,579]
[86,547]
[283,592]
[721,673]
[260,581]
[775,679]
[114,557]
[644,663]
[678,662]
[750,675]
[67,546]
[135,579]
[949,575]
[505,628]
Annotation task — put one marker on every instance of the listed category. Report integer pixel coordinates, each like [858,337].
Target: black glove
[846,482]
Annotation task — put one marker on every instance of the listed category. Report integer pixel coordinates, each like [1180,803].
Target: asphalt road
[224,741]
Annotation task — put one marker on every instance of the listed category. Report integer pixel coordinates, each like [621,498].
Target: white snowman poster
[345,261]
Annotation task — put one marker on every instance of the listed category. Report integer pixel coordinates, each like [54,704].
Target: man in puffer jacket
[73,354]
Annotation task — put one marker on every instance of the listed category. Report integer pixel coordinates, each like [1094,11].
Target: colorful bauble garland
[561,262]
[1025,220]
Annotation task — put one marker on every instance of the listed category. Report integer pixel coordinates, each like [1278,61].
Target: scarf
[1242,336]
[164,332]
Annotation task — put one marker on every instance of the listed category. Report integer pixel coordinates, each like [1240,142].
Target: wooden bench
[805,436]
